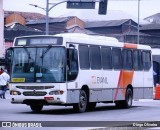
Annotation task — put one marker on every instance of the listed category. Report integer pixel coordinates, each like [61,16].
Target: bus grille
[34,93]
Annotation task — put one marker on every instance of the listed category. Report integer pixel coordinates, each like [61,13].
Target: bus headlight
[15,93]
[58,92]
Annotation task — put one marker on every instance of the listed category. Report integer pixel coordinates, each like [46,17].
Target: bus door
[72,71]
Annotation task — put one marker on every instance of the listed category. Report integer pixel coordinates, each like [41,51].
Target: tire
[36,108]
[129,98]
[82,105]
[91,106]
[127,103]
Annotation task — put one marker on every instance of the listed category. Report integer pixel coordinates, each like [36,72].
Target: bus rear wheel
[129,98]
[127,103]
[82,105]
[36,108]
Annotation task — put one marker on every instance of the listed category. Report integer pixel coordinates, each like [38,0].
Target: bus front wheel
[82,105]
[36,108]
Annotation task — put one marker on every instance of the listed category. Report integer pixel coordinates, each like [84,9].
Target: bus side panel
[137,84]
[143,84]
[73,91]
[138,92]
[148,93]
[112,90]
[73,96]
[125,79]
[93,80]
[107,94]
[148,83]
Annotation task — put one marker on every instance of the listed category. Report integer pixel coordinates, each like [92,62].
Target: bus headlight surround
[58,92]
[15,92]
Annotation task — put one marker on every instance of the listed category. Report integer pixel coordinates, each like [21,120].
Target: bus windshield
[38,64]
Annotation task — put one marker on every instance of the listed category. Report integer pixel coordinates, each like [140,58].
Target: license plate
[18,79]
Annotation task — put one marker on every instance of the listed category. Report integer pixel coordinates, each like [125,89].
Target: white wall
[1,29]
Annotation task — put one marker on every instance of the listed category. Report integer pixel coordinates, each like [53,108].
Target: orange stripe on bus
[125,79]
[129,45]
[120,77]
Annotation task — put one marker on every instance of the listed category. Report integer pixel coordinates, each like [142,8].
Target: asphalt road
[105,115]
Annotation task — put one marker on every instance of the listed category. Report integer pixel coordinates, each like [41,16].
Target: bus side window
[146,58]
[137,60]
[106,53]
[127,59]
[84,57]
[95,57]
[72,64]
[117,58]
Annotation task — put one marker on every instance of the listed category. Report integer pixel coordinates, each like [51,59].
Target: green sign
[80,5]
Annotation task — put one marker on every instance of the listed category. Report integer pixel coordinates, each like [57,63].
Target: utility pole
[47,15]
[47,9]
[138,21]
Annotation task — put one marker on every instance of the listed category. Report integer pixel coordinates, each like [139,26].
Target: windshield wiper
[48,48]
[29,56]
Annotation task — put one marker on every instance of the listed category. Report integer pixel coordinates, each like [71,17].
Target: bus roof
[93,40]
[85,36]
[101,40]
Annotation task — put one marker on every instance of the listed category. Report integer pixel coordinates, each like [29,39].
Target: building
[15,25]
[21,17]
[1,30]
[153,30]
[125,30]
[57,25]
[155,19]
[15,30]
[24,23]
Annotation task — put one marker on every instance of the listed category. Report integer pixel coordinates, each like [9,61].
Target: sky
[147,7]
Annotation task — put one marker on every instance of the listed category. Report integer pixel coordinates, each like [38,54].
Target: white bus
[78,70]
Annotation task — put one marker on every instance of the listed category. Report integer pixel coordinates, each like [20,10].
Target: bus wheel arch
[127,103]
[81,106]
[36,108]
